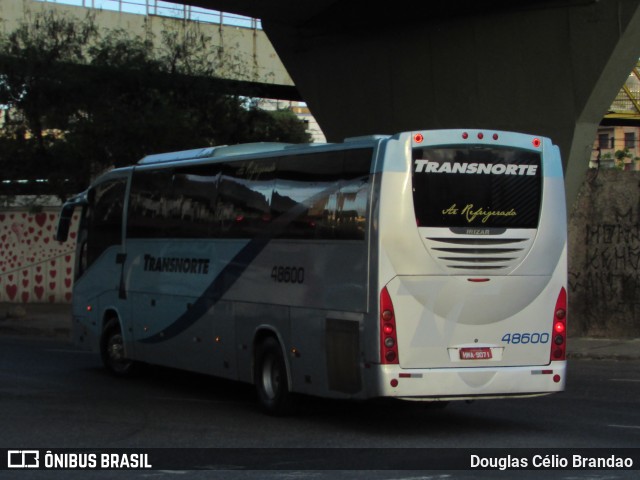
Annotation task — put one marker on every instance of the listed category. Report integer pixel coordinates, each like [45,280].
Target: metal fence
[165,9]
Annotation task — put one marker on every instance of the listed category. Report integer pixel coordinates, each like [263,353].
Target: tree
[279,125]
[623,157]
[77,102]
[31,84]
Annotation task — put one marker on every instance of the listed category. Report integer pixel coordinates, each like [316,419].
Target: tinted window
[195,189]
[323,195]
[486,187]
[174,203]
[243,206]
[317,195]
[103,218]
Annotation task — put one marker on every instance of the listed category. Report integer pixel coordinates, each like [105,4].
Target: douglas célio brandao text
[550,461]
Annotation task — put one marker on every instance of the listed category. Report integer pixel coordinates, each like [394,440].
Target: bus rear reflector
[388,338]
[559,330]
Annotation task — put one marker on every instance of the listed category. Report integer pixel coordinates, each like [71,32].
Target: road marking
[625,426]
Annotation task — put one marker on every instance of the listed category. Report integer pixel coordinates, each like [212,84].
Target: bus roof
[222,151]
[208,152]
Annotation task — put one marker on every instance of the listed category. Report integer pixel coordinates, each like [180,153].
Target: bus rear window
[476,187]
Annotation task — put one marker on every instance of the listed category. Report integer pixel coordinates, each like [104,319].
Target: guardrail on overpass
[165,9]
[240,39]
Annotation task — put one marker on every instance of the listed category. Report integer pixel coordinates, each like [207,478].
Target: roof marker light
[465,135]
[536,142]
[418,138]
[495,136]
[480,136]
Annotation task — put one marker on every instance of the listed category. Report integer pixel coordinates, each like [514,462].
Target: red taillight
[559,332]
[388,338]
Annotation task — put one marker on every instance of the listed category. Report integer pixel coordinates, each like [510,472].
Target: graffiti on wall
[607,284]
[34,267]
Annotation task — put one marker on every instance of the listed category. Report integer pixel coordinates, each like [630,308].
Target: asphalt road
[54,396]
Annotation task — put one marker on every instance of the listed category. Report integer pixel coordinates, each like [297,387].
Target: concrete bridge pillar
[552,69]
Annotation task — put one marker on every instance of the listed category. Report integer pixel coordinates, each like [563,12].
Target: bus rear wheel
[270,379]
[112,350]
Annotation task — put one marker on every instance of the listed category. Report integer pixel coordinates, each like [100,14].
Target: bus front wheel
[112,350]
[270,378]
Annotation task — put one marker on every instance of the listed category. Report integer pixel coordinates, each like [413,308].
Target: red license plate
[480,353]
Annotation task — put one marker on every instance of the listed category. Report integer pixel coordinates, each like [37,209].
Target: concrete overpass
[245,60]
[551,67]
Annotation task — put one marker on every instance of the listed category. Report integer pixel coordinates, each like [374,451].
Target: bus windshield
[486,187]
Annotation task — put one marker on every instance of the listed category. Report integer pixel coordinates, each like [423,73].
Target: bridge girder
[550,67]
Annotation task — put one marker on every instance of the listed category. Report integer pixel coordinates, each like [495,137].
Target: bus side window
[308,184]
[150,204]
[102,222]
[243,207]
[330,190]
[194,190]
[351,209]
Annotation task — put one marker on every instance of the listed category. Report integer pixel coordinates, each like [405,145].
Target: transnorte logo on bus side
[176,265]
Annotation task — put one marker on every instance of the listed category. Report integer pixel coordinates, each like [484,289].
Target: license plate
[480,353]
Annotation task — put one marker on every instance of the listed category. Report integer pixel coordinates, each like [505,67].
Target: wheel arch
[111,314]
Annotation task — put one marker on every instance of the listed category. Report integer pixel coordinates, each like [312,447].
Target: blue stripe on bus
[234,270]
[214,292]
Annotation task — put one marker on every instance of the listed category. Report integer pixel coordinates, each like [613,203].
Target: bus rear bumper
[469,383]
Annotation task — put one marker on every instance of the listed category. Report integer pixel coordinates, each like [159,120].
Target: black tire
[270,379]
[112,350]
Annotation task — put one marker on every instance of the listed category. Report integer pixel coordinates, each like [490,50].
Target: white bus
[427,265]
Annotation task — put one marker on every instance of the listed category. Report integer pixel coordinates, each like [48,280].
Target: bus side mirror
[66,214]
[64,223]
